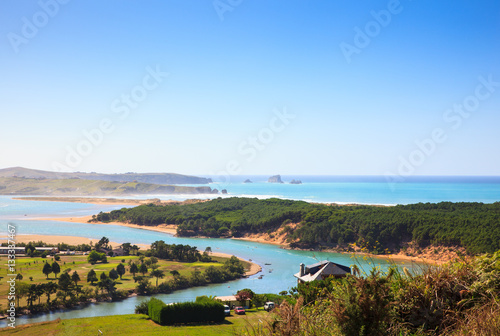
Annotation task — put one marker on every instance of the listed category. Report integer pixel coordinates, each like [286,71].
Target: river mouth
[278,265]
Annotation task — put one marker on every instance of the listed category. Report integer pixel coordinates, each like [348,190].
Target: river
[281,262]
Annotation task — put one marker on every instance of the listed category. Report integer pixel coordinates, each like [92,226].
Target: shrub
[154,309]
[206,310]
[363,306]
[187,312]
[142,307]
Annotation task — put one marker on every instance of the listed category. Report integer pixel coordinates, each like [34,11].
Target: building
[320,271]
[22,250]
[232,302]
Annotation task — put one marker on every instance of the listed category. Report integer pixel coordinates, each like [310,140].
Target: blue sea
[25,216]
[359,189]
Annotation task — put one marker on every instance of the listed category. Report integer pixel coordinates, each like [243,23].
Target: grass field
[32,267]
[135,325]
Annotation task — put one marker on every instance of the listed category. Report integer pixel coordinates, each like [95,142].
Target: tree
[143,287]
[103,276]
[244,294]
[107,284]
[29,249]
[158,274]
[40,289]
[19,276]
[34,292]
[126,248]
[134,269]
[208,249]
[214,274]
[50,288]
[56,268]
[95,256]
[22,289]
[75,278]
[102,243]
[113,274]
[134,249]
[175,273]
[64,281]
[92,277]
[143,269]
[120,269]
[47,269]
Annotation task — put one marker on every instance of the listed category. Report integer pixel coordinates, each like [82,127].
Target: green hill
[154,178]
[83,187]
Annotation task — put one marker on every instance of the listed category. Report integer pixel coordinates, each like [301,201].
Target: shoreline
[171,229]
[75,240]
[258,238]
[107,200]
[132,201]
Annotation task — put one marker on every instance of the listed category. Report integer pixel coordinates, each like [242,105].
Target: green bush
[188,312]
[154,309]
[206,310]
[143,307]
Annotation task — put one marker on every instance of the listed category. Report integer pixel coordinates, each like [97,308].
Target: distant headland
[24,181]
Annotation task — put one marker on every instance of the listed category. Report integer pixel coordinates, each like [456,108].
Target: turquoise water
[361,189]
[284,263]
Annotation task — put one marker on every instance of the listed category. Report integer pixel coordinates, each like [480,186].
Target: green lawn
[32,267]
[135,325]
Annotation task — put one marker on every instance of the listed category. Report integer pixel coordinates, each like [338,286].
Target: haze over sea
[359,189]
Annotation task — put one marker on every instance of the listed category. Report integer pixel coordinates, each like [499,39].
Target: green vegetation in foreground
[473,226]
[135,325]
[457,299]
[81,187]
[48,283]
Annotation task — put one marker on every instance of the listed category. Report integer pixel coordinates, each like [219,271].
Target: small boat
[260,276]
[271,270]
[267,264]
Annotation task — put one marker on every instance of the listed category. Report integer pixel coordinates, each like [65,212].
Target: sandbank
[74,240]
[277,240]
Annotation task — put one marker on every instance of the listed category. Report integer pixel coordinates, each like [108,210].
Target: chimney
[302,269]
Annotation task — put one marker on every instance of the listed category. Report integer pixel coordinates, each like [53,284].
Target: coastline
[279,239]
[106,200]
[75,240]
[399,257]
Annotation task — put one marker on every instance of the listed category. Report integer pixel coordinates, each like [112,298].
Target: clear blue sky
[360,101]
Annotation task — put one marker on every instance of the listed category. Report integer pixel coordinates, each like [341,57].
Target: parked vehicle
[239,310]
[269,306]
[227,310]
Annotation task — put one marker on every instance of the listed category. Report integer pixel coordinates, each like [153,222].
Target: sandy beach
[73,240]
[107,201]
[425,258]
[279,238]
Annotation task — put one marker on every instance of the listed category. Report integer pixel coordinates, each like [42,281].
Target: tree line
[471,225]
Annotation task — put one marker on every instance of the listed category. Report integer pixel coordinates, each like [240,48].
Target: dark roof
[334,268]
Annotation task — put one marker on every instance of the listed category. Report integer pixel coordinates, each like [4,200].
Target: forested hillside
[474,226]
